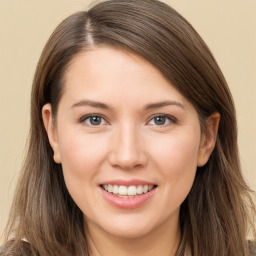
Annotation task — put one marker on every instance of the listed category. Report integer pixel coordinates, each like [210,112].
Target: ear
[208,139]
[51,131]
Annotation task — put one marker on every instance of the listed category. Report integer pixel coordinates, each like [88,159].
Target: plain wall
[227,26]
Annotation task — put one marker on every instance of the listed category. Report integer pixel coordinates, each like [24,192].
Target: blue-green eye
[161,120]
[94,120]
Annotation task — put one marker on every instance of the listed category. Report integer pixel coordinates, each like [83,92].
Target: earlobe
[51,131]
[208,139]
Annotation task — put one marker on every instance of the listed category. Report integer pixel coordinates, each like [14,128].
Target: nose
[127,151]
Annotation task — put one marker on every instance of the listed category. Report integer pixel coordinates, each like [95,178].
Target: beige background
[227,26]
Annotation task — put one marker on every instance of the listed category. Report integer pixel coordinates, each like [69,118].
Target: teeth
[140,190]
[115,189]
[132,191]
[150,187]
[145,189]
[124,191]
[110,188]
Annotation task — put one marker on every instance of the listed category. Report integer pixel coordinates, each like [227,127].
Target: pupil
[95,120]
[159,120]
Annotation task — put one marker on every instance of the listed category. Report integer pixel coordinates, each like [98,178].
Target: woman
[133,143]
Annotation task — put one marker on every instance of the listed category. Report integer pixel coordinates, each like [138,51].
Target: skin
[127,144]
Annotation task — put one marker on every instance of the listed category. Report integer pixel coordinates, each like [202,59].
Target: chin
[129,231]
[127,225]
[134,225]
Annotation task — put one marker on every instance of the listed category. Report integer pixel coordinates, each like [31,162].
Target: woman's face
[128,141]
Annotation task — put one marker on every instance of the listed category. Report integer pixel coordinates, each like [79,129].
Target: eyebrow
[94,104]
[163,104]
[97,104]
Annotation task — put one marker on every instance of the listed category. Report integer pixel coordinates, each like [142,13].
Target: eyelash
[169,118]
[88,117]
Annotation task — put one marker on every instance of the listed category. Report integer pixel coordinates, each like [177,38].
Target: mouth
[127,191]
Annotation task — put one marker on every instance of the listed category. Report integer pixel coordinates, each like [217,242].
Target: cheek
[176,160]
[81,157]
[177,149]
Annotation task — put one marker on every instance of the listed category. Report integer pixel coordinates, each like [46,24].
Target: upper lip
[131,182]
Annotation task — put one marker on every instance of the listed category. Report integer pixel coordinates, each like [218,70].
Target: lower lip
[127,203]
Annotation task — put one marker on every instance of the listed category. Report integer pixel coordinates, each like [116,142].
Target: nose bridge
[127,150]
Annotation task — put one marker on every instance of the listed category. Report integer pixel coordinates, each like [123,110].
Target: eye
[161,120]
[93,120]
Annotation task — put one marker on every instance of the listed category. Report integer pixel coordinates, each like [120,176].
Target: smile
[127,191]
[128,196]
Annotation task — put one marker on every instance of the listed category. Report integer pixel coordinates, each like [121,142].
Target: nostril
[127,148]
[127,161]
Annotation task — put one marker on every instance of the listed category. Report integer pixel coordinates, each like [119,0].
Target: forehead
[111,74]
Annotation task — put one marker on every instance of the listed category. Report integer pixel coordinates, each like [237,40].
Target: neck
[161,241]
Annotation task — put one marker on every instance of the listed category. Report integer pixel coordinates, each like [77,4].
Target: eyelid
[85,117]
[172,119]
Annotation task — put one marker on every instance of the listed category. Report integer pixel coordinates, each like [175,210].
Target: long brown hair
[215,216]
